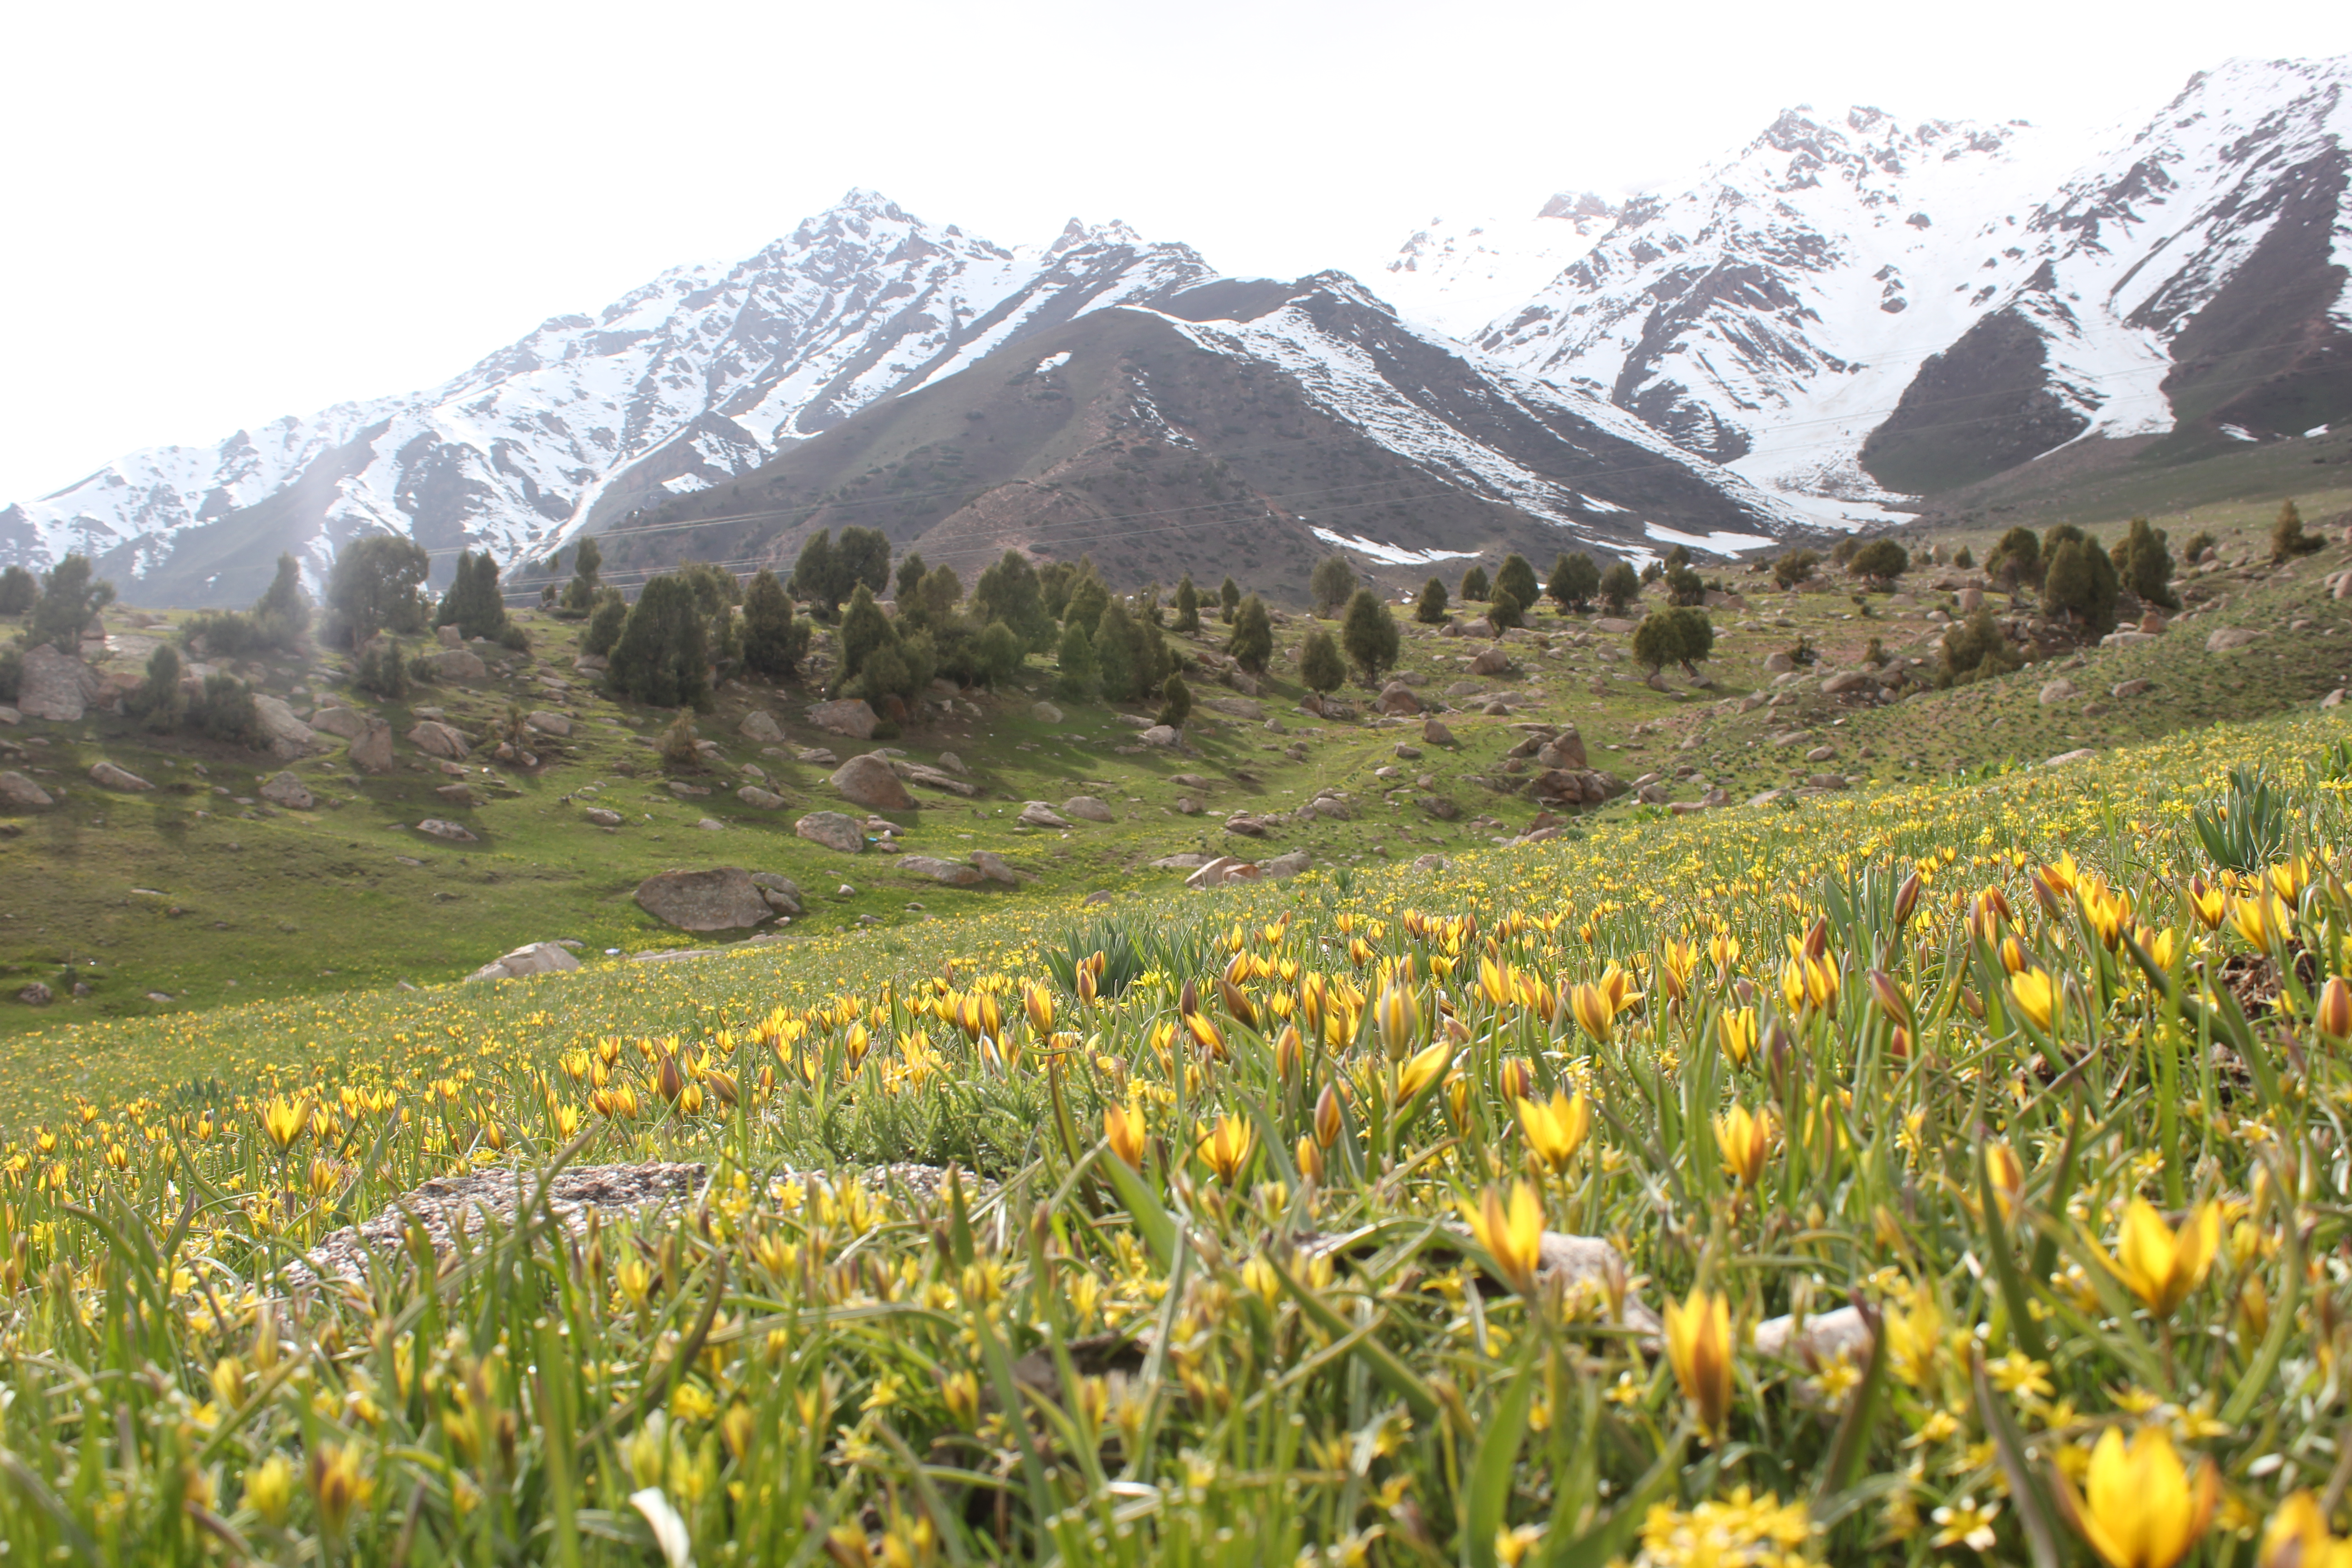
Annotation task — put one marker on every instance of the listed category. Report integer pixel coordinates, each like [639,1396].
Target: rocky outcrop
[842,834]
[348,724]
[765,799]
[759,727]
[435,739]
[57,688]
[372,752]
[954,873]
[1037,813]
[112,777]
[869,781]
[286,790]
[850,717]
[457,664]
[551,723]
[536,958]
[1087,807]
[721,899]
[22,792]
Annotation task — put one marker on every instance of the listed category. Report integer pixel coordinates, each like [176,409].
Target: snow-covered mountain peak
[1077,234]
[1457,276]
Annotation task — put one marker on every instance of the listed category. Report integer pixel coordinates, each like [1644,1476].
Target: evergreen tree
[1252,642]
[2078,582]
[910,578]
[998,653]
[1320,666]
[282,614]
[159,700]
[1076,675]
[1880,562]
[604,624]
[1474,586]
[1010,592]
[1675,634]
[861,555]
[384,672]
[773,641]
[1678,559]
[1369,636]
[661,660]
[1518,580]
[1119,659]
[1620,586]
[814,577]
[1229,599]
[1794,566]
[863,628]
[2145,564]
[1088,597]
[579,593]
[1431,609]
[473,604]
[2287,537]
[2015,560]
[19,590]
[373,586]
[1574,580]
[1175,701]
[1333,582]
[1503,611]
[1684,587]
[1188,606]
[69,597]
[1975,650]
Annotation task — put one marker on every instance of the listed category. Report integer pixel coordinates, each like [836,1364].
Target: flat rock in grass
[835,831]
[954,873]
[1188,861]
[1435,732]
[2052,691]
[934,778]
[602,817]
[1491,661]
[1037,813]
[457,794]
[1087,807]
[851,717]
[372,752]
[287,736]
[113,777]
[2079,755]
[457,664]
[1222,871]
[765,799]
[2225,639]
[869,781]
[436,827]
[18,791]
[1044,713]
[1616,625]
[996,867]
[348,724]
[1236,708]
[1246,825]
[551,723]
[721,899]
[1162,735]
[1839,1334]
[760,726]
[286,790]
[435,739]
[1288,864]
[782,894]
[536,958]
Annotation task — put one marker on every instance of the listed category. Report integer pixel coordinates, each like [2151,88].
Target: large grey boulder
[551,723]
[1037,813]
[783,894]
[1044,713]
[996,867]
[18,791]
[1397,698]
[850,717]
[2222,640]
[537,958]
[457,664]
[954,873]
[286,790]
[372,752]
[721,899]
[438,739]
[765,799]
[1088,808]
[934,778]
[113,777]
[349,724]
[57,688]
[760,726]
[451,831]
[836,832]
[1491,661]
[1565,750]
[868,781]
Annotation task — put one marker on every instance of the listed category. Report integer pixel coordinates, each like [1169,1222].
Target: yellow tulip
[337,1484]
[1745,1141]
[2209,903]
[1225,1147]
[2260,920]
[1326,1116]
[1419,1072]
[2140,1506]
[1591,1008]
[269,1489]
[2161,1265]
[2333,1012]
[1735,1031]
[283,1120]
[2038,997]
[1698,1346]
[2297,1537]
[1513,1238]
[1204,1032]
[1039,1004]
[1557,1129]
[1123,1127]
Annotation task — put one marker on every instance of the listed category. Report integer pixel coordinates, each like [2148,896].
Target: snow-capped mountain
[690,379]
[1855,307]
[1459,276]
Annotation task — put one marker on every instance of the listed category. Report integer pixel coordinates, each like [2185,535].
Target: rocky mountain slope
[1851,307]
[1242,426]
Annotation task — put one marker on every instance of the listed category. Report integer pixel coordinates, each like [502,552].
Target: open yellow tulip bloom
[2161,1265]
[1556,1128]
[2140,1506]
[1698,1347]
[1513,1237]
[2297,1537]
[2038,997]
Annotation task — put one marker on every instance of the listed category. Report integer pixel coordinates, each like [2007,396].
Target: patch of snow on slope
[1391,554]
[1720,543]
[1458,277]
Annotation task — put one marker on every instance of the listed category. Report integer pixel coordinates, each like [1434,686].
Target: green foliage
[1684,587]
[1000,654]
[1517,579]
[283,611]
[863,629]
[1503,611]
[1252,642]
[909,579]
[1795,566]
[2198,543]
[159,702]
[1844,549]
[661,658]
[1120,661]
[604,625]
[579,593]
[1086,598]
[1076,676]
[374,587]
[830,570]
[1009,591]
[19,589]
[2078,583]
[2144,565]
[1474,586]
[1175,701]
[2015,560]
[1188,606]
[1881,561]
[473,604]
[775,640]
[1229,599]
[1429,610]
[1333,582]
[1976,650]
[12,673]
[1575,579]
[1321,666]
[70,596]
[225,712]
[2287,537]
[2247,829]
[384,672]
[678,749]
[1675,634]
[1369,636]
[1620,586]
[1964,558]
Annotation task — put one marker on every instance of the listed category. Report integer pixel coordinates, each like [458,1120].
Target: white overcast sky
[214,214]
